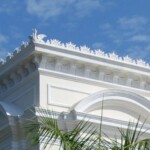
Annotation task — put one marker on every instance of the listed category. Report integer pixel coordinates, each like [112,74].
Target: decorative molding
[49,99]
[70,66]
[39,38]
[68,89]
[58,64]
[117,97]
[13,78]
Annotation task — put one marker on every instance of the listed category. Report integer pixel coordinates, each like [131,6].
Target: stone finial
[141,62]
[99,52]
[70,46]
[85,49]
[16,51]
[127,59]
[2,61]
[24,45]
[9,56]
[34,37]
[113,56]
[55,42]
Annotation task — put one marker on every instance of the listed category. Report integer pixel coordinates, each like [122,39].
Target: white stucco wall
[61,92]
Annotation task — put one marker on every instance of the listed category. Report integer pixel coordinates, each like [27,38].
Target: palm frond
[44,128]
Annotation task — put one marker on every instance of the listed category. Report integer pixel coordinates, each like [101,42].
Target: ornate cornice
[39,38]
[96,73]
[56,56]
[17,74]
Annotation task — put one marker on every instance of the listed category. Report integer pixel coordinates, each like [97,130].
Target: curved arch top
[122,100]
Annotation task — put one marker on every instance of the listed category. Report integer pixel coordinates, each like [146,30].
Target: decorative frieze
[136,83]
[65,66]
[115,78]
[15,77]
[70,66]
[5,81]
[142,83]
[101,74]
[30,67]
[129,81]
[108,77]
[48,63]
[36,60]
[39,38]
[122,80]
[94,73]
[17,74]
[73,67]
[58,64]
[80,70]
[87,71]
[22,72]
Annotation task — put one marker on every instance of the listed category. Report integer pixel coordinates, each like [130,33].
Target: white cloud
[124,32]
[140,38]
[84,7]
[98,45]
[53,8]
[139,52]
[106,26]
[48,8]
[112,32]
[127,29]
[134,22]
[7,6]
[3,39]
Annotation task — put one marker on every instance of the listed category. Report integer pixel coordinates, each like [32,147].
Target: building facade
[74,82]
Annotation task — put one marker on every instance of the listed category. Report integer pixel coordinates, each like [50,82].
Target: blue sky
[120,26]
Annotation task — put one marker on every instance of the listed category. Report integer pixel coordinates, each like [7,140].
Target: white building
[65,77]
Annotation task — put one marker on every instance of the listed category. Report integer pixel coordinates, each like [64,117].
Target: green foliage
[45,129]
[130,139]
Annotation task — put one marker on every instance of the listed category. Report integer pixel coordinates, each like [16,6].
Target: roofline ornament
[39,38]
[34,37]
